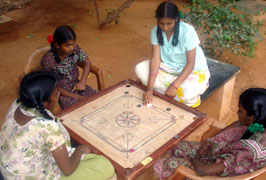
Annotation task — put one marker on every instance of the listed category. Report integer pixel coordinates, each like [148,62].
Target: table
[220,91]
[115,123]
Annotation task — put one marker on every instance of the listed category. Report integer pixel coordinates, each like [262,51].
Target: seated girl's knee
[105,166]
[142,71]
[138,69]
[142,66]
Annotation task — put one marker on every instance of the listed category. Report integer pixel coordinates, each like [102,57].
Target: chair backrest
[34,60]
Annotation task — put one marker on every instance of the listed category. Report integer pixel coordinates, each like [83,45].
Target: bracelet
[174,86]
[153,74]
[80,150]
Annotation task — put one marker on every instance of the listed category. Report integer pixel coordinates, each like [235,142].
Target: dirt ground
[116,49]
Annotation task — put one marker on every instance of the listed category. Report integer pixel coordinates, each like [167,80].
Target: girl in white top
[178,67]
[35,145]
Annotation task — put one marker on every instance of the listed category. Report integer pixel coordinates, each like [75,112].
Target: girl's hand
[209,169]
[171,91]
[84,148]
[203,149]
[80,86]
[79,97]
[198,166]
[147,97]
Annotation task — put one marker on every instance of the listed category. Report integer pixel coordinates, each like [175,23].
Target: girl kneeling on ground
[178,67]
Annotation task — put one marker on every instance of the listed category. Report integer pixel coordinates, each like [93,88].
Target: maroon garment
[67,74]
[240,156]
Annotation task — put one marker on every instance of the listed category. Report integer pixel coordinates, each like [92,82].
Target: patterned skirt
[188,92]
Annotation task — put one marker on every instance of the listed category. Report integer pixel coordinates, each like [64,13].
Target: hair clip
[50,38]
[255,128]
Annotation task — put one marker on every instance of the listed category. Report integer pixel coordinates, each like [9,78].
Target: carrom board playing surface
[132,136]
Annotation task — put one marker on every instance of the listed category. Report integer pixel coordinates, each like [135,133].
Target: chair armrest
[99,76]
[187,172]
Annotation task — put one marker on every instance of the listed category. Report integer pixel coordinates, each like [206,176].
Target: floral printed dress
[67,73]
[26,150]
[239,156]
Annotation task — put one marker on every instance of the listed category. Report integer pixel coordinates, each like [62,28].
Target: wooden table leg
[218,105]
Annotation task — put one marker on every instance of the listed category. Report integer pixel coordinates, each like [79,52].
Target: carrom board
[115,123]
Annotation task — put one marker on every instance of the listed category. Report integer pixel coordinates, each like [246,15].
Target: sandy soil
[116,49]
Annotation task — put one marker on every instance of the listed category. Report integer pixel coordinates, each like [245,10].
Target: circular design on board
[127,136]
[127,119]
[153,119]
[102,120]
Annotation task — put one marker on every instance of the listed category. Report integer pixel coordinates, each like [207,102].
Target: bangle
[80,150]
[174,86]
[153,74]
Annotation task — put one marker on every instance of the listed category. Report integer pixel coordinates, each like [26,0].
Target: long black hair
[61,35]
[253,100]
[35,89]
[168,9]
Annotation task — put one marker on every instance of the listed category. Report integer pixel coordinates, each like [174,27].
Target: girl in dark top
[63,59]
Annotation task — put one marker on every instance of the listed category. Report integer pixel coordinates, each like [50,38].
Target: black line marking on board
[142,142]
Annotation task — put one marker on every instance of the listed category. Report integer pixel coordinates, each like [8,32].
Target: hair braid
[248,133]
[159,36]
[55,54]
[257,119]
[176,32]
[40,109]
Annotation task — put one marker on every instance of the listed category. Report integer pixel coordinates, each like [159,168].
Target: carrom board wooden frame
[132,173]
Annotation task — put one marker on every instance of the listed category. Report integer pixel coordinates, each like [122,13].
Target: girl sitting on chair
[237,149]
[63,59]
[35,145]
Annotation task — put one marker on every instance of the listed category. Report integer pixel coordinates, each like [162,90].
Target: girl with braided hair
[178,67]
[35,145]
[238,149]
[63,59]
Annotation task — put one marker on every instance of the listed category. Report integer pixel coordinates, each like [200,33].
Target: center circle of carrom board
[127,120]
